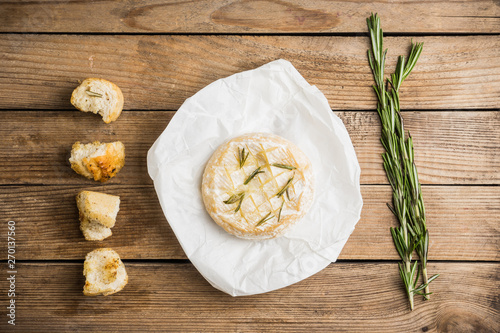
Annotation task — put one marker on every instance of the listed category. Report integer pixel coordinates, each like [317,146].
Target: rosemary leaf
[264,219]
[281,208]
[253,174]
[242,157]
[287,185]
[93,94]
[283,166]
[239,204]
[234,198]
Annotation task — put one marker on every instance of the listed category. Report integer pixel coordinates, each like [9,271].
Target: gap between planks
[291,34]
[187,261]
[173,111]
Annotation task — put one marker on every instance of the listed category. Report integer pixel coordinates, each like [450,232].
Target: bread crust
[114,98]
[223,178]
[102,167]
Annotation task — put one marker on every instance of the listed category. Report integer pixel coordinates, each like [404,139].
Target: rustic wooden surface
[349,297]
[161,52]
[461,72]
[462,217]
[263,16]
[452,147]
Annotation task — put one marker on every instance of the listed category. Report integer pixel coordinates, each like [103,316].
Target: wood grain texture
[263,16]
[451,147]
[463,223]
[160,72]
[161,52]
[350,297]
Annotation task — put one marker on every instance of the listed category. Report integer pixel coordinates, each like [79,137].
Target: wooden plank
[451,147]
[47,225]
[463,223]
[160,72]
[175,297]
[230,16]
[38,144]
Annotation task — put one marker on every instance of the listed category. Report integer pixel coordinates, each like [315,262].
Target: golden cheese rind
[263,213]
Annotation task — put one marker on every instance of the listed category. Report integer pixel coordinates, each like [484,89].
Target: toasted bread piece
[98,161]
[94,231]
[104,273]
[98,207]
[98,96]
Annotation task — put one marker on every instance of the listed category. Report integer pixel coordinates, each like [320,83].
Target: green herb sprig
[281,208]
[234,199]
[283,166]
[264,219]
[242,158]
[285,188]
[399,165]
[253,174]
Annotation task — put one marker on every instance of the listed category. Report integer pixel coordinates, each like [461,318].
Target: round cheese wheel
[257,185]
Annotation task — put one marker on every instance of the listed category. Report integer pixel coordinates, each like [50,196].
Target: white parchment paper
[273,98]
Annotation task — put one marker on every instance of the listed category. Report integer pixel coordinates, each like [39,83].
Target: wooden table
[162,52]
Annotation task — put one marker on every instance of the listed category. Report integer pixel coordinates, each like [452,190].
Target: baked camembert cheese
[257,185]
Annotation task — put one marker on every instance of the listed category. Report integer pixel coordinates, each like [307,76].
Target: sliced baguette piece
[98,207]
[98,161]
[94,231]
[98,96]
[104,273]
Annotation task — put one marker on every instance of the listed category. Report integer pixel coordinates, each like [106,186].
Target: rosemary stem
[410,287]
[426,281]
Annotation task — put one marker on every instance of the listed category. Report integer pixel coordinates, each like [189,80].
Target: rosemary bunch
[398,160]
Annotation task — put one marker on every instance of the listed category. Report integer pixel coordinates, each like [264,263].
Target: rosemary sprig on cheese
[234,199]
[264,219]
[281,208]
[285,188]
[398,161]
[242,157]
[93,94]
[283,166]
[253,174]
[239,204]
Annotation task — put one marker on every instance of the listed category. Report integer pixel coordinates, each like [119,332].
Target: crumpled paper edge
[326,255]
